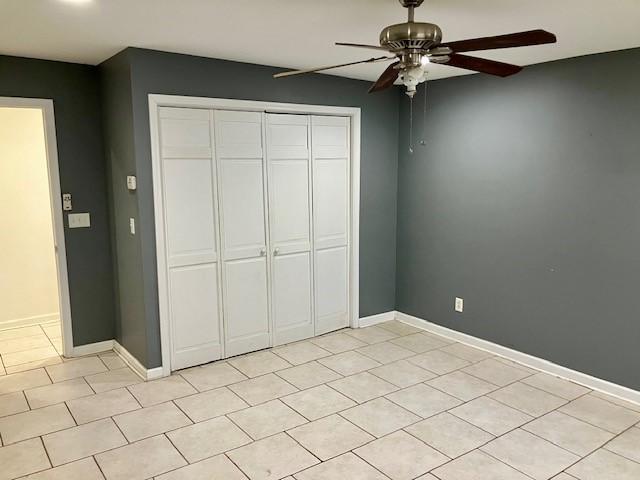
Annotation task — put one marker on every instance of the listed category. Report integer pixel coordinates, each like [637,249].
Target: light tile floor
[26,348]
[383,402]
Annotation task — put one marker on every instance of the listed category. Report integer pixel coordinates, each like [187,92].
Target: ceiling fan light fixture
[411,77]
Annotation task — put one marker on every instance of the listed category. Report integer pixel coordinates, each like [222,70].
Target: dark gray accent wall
[166,73]
[525,202]
[130,319]
[75,94]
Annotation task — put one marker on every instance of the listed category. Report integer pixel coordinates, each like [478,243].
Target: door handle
[276,251]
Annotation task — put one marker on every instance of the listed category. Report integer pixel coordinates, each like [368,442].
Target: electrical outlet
[459,304]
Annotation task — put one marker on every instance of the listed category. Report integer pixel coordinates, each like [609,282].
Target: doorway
[35,323]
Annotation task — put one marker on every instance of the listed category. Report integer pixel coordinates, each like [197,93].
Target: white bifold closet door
[257,229]
[289,185]
[193,273]
[242,193]
[331,166]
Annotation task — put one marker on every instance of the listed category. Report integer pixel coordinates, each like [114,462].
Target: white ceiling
[300,33]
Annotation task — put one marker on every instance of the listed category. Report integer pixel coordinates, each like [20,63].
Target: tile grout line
[44,448]
[46,452]
[95,460]
[177,450]
[193,422]
[614,438]
[234,463]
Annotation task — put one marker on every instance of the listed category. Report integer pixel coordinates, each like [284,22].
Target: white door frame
[156,101]
[57,217]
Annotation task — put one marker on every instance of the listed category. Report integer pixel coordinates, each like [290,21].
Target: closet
[256,213]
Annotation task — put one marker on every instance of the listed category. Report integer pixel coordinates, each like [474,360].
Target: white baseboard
[531,361]
[29,321]
[92,348]
[136,366]
[375,319]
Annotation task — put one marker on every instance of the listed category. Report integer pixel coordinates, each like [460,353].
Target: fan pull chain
[411,125]
[424,116]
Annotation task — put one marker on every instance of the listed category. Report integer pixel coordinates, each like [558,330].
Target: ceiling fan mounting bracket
[411,3]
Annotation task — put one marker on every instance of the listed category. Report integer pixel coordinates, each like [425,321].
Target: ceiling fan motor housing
[411,40]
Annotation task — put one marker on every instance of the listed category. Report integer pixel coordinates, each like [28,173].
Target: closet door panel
[242,207]
[289,206]
[186,133]
[189,201]
[241,179]
[330,137]
[331,189]
[292,296]
[332,304]
[190,217]
[287,136]
[331,204]
[238,134]
[195,315]
[246,306]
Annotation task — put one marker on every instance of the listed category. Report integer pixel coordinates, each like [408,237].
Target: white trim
[29,321]
[354,270]
[92,348]
[378,318]
[57,216]
[531,361]
[135,365]
[157,101]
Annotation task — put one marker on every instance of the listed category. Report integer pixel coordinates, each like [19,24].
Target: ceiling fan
[415,44]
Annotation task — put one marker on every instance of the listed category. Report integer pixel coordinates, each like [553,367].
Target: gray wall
[525,202]
[75,93]
[166,73]
[130,316]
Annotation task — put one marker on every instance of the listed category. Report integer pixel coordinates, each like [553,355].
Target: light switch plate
[79,220]
[132,183]
[132,226]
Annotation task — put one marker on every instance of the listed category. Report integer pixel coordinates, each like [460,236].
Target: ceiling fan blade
[360,45]
[387,78]
[319,69]
[521,39]
[483,65]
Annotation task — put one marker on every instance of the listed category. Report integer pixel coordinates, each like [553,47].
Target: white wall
[28,279]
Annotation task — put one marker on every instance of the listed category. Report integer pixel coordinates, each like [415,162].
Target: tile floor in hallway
[26,348]
[383,402]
